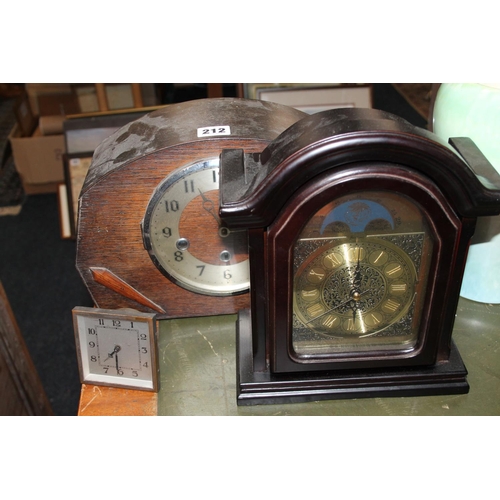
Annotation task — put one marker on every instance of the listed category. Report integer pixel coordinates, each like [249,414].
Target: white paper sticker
[211,131]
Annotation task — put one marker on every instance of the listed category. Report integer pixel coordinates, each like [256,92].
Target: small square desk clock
[116,348]
[358,226]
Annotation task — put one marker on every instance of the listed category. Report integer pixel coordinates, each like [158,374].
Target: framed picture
[76,167]
[312,97]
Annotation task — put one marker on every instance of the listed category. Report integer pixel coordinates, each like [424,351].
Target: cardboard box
[38,160]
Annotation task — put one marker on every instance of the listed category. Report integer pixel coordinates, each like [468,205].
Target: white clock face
[185,239]
[116,348]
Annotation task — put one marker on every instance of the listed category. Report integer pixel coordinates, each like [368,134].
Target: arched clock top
[255,187]
[179,124]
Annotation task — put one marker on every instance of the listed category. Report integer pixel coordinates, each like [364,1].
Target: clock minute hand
[356,289]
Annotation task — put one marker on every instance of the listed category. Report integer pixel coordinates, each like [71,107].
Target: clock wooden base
[255,388]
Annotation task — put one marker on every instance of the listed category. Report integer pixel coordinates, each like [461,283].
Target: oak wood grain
[125,171]
[110,237]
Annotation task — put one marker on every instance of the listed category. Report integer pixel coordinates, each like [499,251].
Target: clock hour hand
[346,302]
[208,205]
[113,352]
[354,302]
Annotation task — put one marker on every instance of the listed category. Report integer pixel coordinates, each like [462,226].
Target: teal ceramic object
[473,110]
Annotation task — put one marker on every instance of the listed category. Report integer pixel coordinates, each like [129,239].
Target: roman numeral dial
[357,287]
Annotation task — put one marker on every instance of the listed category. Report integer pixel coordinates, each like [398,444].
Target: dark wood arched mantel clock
[358,226]
[149,235]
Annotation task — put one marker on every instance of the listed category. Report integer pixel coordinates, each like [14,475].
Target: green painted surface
[198,372]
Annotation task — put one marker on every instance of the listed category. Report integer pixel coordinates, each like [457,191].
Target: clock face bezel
[283,233]
[142,334]
[228,277]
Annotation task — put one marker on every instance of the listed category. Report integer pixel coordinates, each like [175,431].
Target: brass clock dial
[213,261]
[360,270]
[355,289]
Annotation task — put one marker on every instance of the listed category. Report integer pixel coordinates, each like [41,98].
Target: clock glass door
[361,265]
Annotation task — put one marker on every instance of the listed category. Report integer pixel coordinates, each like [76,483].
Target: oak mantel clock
[358,227]
[149,236]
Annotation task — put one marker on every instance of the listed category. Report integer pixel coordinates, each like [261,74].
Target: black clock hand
[208,205]
[113,352]
[356,288]
[356,284]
